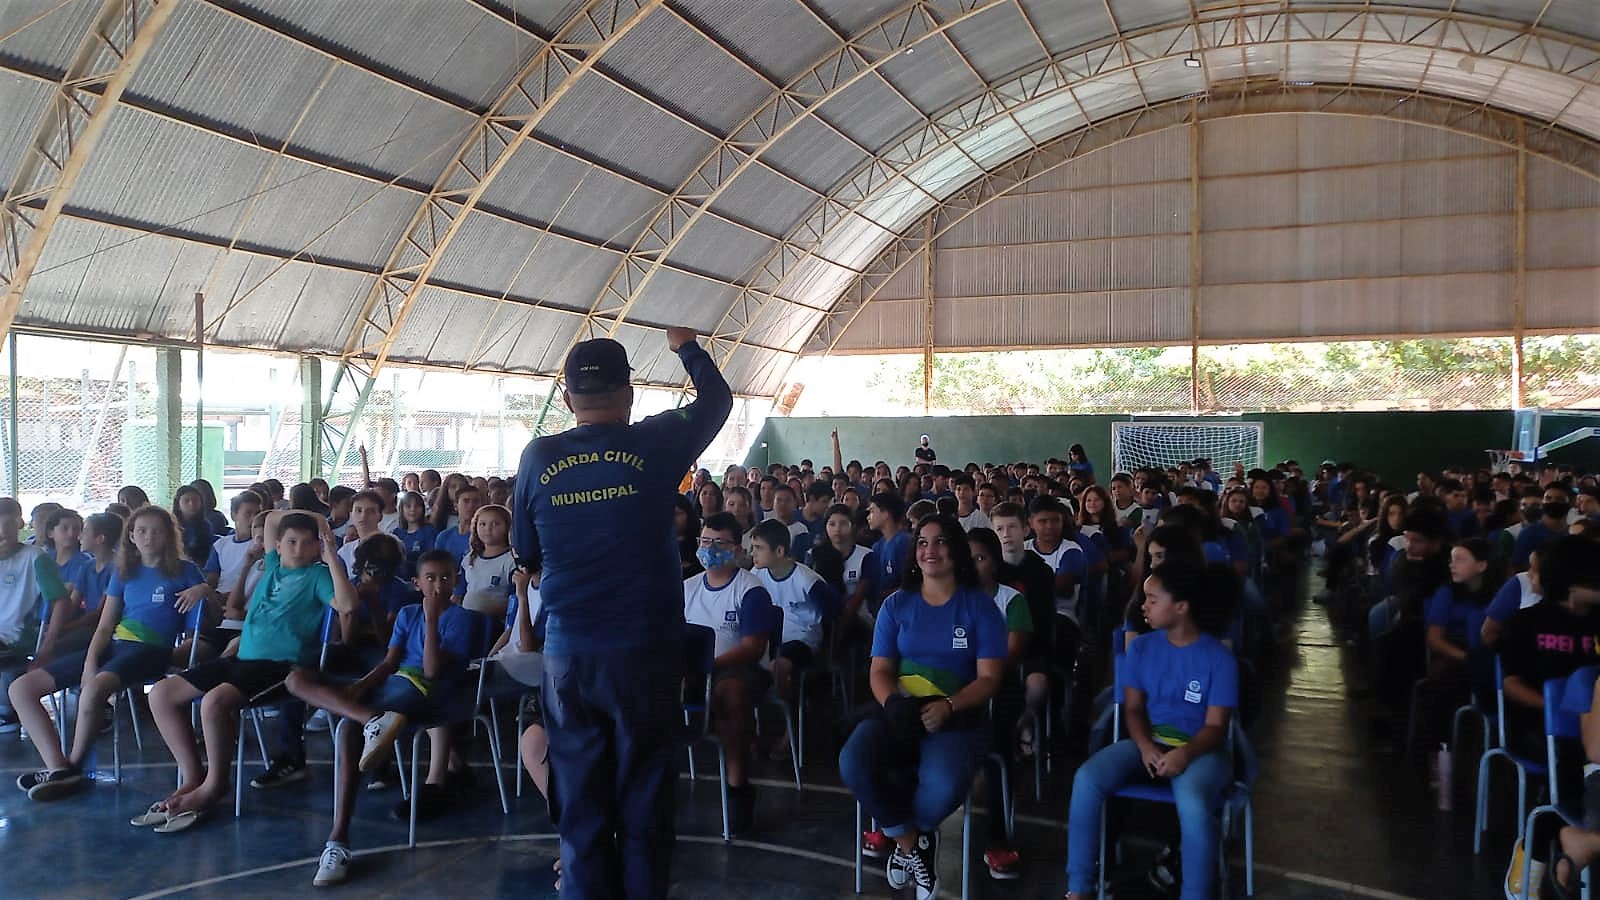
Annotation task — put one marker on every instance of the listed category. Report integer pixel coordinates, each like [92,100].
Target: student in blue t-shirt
[304,576]
[1180,690]
[891,553]
[414,532]
[1552,524]
[1458,664]
[67,628]
[142,613]
[458,540]
[424,667]
[938,650]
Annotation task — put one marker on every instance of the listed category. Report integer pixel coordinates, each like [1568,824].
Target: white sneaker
[318,721]
[334,865]
[378,737]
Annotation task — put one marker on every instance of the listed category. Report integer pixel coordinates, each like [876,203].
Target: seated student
[1459,667]
[188,505]
[73,621]
[1549,640]
[733,603]
[1124,502]
[227,557]
[413,531]
[458,540]
[847,566]
[366,518]
[910,765]
[814,515]
[485,584]
[1003,860]
[1070,563]
[1180,689]
[280,632]
[1026,572]
[967,511]
[340,500]
[27,574]
[1167,544]
[1552,524]
[39,524]
[892,550]
[1518,592]
[140,617]
[808,603]
[67,629]
[424,668]
[786,511]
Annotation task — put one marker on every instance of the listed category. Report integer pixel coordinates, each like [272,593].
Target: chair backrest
[1560,724]
[1500,699]
[699,659]
[325,636]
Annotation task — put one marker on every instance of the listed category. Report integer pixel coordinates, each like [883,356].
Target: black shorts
[797,652]
[259,680]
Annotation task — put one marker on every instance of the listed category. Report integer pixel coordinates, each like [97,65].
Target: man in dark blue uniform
[596,506]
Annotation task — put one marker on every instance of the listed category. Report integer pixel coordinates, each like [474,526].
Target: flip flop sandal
[155,815]
[182,821]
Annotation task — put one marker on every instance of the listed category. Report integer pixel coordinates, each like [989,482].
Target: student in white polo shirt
[807,600]
[736,606]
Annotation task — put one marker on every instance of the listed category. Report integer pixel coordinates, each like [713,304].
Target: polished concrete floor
[1333,819]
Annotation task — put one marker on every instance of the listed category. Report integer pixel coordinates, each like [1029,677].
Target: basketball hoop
[1501,460]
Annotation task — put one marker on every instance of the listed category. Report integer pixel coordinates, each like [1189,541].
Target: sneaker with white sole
[280,772]
[898,869]
[378,737]
[319,721]
[26,781]
[924,866]
[56,784]
[334,866]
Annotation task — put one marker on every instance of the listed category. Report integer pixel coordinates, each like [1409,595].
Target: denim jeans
[1198,792]
[943,774]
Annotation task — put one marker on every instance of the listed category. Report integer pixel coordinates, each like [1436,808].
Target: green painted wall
[1396,444]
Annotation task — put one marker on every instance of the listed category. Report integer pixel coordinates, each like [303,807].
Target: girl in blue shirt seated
[938,649]
[1457,661]
[1180,690]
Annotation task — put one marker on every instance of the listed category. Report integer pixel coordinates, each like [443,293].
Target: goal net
[1137,445]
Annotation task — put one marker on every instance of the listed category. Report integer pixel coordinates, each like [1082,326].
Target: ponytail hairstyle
[171,563]
[493,510]
[1212,592]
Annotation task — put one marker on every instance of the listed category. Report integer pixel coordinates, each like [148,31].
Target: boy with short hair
[228,553]
[303,576]
[892,551]
[339,500]
[784,513]
[425,665]
[735,605]
[458,540]
[807,602]
[366,520]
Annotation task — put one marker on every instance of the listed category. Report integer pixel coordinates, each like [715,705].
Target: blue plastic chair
[700,653]
[1558,725]
[794,716]
[1525,768]
[1236,800]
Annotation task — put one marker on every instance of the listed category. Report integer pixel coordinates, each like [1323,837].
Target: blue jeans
[947,761]
[616,731]
[1198,792]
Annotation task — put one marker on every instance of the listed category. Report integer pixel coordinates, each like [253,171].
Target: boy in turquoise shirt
[280,632]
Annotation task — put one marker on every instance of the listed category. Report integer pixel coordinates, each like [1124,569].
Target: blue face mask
[714,557]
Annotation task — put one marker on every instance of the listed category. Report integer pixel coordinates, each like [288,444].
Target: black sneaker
[281,772]
[57,784]
[1165,874]
[741,809]
[923,866]
[898,869]
[26,781]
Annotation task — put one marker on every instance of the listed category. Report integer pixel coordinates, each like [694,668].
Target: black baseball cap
[596,367]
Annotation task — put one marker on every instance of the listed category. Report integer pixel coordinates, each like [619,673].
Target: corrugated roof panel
[381,128]
[359,223]
[440,328]
[24,101]
[525,337]
[1552,186]
[713,247]
[779,36]
[490,254]
[562,272]
[543,16]
[674,299]
[290,307]
[761,198]
[851,16]
[934,77]
[1160,156]
[107,280]
[1566,298]
[884,324]
[815,156]
[540,184]
[54,30]
[152,171]
[667,59]
[784,325]
[1135,14]
[998,43]
[1067,26]
[459,49]
[605,122]
[1564,238]
[1375,307]
[871,112]
[1569,16]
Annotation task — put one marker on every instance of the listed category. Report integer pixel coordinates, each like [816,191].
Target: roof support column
[310,418]
[1519,274]
[169,422]
[927,321]
[1194,257]
[12,444]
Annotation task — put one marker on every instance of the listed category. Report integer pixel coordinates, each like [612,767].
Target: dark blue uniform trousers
[616,728]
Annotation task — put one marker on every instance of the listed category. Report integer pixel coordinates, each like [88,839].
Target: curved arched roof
[480,183]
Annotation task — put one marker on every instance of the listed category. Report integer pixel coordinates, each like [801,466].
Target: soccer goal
[1168,443]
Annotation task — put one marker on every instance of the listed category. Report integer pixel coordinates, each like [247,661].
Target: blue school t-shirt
[1462,620]
[92,584]
[72,575]
[285,612]
[1532,538]
[1179,683]
[149,603]
[891,557]
[455,639]
[1511,597]
[938,647]
[416,543]
[457,543]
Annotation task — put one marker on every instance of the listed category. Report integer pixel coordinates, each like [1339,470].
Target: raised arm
[838,457]
[713,398]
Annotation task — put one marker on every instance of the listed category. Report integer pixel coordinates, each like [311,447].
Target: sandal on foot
[182,821]
[155,815]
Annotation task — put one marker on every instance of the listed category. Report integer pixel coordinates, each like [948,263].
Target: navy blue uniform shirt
[596,505]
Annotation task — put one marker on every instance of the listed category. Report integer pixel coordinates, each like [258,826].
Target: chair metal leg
[858,848]
[722,773]
[337,731]
[116,743]
[133,716]
[1101,868]
[966,849]
[416,786]
[791,725]
[494,756]
[521,707]
[261,743]
[238,764]
[1249,847]
[400,771]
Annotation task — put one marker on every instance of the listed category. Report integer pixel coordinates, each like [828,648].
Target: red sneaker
[1004,865]
[876,844]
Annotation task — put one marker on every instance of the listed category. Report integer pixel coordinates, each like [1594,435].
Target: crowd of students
[1012,609]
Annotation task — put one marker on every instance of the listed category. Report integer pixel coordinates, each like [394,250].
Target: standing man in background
[595,506]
